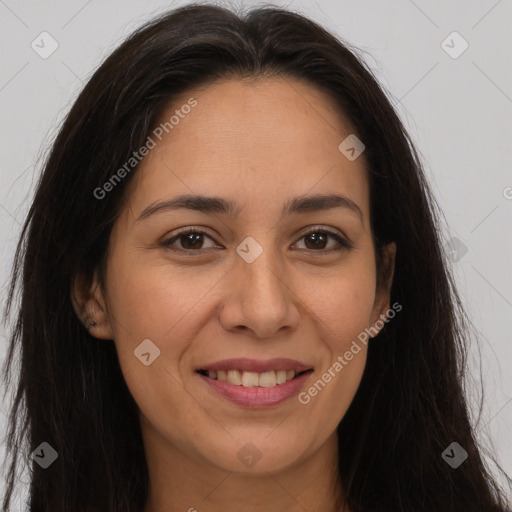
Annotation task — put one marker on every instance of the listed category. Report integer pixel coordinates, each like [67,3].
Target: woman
[233,292]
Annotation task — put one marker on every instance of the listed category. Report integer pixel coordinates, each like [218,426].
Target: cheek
[344,316]
[343,307]
[151,302]
[154,300]
[343,303]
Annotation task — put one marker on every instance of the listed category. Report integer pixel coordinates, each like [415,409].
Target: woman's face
[253,291]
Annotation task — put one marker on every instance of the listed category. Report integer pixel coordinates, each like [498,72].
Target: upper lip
[258,366]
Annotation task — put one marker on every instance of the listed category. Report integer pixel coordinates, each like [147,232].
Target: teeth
[267,379]
[249,379]
[234,377]
[281,376]
[253,379]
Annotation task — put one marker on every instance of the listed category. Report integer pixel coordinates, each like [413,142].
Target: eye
[191,241]
[317,239]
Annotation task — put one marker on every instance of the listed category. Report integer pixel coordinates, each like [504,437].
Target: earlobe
[389,270]
[383,292]
[90,307]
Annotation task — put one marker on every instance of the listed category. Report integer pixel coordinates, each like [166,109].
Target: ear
[89,305]
[384,282]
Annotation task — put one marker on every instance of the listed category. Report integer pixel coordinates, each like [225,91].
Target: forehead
[261,139]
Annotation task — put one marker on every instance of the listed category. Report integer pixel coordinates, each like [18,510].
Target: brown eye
[317,240]
[190,240]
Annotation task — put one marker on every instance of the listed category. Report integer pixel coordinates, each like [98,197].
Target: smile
[251,379]
[254,383]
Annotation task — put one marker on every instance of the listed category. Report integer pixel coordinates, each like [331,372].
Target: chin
[257,456]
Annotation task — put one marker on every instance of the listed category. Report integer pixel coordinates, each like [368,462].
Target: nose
[260,297]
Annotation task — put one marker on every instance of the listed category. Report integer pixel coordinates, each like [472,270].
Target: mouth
[253,379]
[253,383]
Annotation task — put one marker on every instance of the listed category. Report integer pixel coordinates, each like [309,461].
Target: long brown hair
[70,390]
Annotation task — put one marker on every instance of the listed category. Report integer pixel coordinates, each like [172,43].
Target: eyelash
[344,244]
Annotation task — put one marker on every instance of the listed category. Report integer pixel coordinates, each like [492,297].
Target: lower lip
[257,396]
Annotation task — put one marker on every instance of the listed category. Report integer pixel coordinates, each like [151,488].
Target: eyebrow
[219,205]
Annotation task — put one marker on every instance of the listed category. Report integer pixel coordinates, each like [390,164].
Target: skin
[259,143]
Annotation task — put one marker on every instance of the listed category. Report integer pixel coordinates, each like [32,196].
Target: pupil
[316,238]
[190,238]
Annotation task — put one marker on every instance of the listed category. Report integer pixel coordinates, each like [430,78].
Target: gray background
[457,110]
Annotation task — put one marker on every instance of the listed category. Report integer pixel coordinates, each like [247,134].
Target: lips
[254,365]
[254,383]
